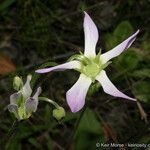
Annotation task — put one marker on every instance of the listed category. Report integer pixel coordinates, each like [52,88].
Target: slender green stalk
[50,101]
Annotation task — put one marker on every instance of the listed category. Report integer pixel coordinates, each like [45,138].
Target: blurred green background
[37,33]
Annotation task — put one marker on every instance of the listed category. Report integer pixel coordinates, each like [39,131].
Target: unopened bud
[17,83]
[59,113]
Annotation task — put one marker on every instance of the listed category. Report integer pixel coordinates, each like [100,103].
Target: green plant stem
[72,136]
[50,101]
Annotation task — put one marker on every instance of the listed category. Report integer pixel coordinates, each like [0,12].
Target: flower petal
[119,49]
[76,95]
[13,108]
[109,88]
[31,105]
[15,98]
[90,35]
[32,102]
[68,65]
[26,89]
[38,92]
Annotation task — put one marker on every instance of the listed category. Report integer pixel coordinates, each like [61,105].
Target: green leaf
[123,31]
[89,132]
[89,120]
[146,45]
[6,4]
[13,145]
[130,2]
[80,143]
[111,41]
[142,91]
[48,64]
[87,141]
[94,88]
[141,73]
[145,139]
[71,116]
[49,143]
[129,60]
[34,142]
[36,76]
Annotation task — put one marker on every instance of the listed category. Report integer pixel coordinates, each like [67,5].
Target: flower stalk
[49,101]
[59,112]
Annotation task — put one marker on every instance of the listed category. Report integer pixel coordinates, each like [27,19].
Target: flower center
[91,67]
[91,70]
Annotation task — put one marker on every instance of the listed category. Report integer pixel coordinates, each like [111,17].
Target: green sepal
[80,57]
[106,64]
[91,67]
[97,58]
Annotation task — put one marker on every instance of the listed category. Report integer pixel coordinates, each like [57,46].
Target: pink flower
[91,67]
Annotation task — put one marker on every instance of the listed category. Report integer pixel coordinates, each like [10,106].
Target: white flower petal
[119,48]
[32,102]
[109,88]
[14,109]
[15,98]
[91,36]
[38,92]
[69,65]
[26,89]
[76,95]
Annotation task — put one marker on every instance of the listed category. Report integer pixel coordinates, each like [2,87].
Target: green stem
[50,101]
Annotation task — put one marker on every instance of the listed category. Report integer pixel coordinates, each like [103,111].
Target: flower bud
[59,113]
[17,83]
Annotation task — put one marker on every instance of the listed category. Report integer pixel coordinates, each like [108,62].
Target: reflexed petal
[68,65]
[15,98]
[31,105]
[76,95]
[32,102]
[90,35]
[14,109]
[119,49]
[26,90]
[38,92]
[109,88]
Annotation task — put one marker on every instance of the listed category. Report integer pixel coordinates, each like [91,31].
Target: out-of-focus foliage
[134,62]
[5,5]
[6,65]
[41,33]
[122,31]
[89,129]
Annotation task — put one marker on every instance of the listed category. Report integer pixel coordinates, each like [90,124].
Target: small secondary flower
[22,105]
[91,67]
